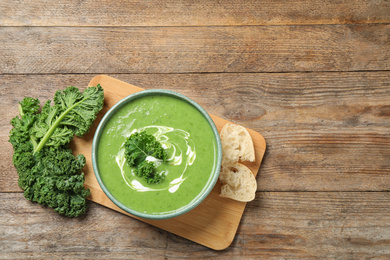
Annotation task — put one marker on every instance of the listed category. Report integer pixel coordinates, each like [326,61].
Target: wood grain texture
[194,49]
[277,225]
[323,109]
[191,13]
[324,131]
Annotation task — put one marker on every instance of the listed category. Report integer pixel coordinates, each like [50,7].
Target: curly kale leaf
[72,114]
[48,171]
[147,171]
[138,147]
[45,126]
[84,107]
[28,109]
[29,105]
[55,180]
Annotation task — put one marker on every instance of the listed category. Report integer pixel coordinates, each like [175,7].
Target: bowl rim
[201,196]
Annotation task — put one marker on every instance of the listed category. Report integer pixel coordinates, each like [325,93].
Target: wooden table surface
[313,77]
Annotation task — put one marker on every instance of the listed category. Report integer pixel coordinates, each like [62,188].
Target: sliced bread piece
[237,144]
[238,182]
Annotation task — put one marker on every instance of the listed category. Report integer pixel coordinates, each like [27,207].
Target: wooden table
[311,76]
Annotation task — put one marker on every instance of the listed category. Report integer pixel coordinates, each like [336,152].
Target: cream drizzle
[177,158]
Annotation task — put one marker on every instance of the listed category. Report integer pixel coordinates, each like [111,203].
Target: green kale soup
[190,145]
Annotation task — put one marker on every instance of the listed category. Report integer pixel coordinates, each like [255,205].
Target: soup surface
[183,132]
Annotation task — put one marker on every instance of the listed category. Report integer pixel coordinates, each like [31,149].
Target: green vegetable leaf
[55,180]
[29,106]
[138,147]
[48,171]
[84,107]
[147,170]
[72,114]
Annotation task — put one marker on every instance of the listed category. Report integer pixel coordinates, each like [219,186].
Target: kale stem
[21,113]
[34,142]
[52,129]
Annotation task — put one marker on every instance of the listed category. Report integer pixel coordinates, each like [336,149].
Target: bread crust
[237,144]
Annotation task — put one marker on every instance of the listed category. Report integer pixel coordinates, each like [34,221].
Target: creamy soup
[186,136]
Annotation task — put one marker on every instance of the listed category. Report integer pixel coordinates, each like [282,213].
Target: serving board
[213,223]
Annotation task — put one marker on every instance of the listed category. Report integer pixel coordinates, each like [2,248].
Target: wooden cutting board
[213,223]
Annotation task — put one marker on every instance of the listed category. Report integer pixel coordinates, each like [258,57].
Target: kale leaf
[48,171]
[138,147]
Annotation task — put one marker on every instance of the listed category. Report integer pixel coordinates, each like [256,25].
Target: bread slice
[237,144]
[238,182]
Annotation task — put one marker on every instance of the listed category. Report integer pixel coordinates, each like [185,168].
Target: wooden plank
[194,49]
[324,131]
[287,225]
[191,13]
